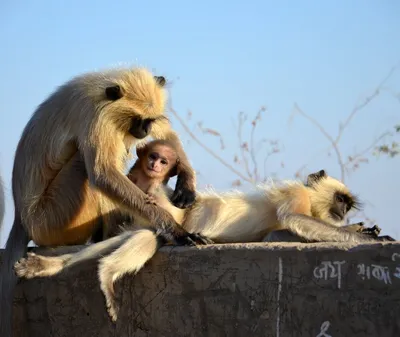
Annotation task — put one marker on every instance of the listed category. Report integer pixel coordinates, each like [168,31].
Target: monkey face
[330,199]
[160,161]
[341,204]
[141,128]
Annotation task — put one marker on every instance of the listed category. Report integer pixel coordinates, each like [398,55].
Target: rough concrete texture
[227,290]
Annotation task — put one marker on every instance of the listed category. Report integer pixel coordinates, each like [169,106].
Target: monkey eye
[153,156]
[164,162]
[339,198]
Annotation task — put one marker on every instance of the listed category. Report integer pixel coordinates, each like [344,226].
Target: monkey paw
[37,266]
[200,239]
[183,197]
[192,239]
[150,199]
[385,238]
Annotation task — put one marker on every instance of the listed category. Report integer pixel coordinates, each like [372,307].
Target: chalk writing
[397,272]
[324,327]
[381,273]
[333,270]
[329,269]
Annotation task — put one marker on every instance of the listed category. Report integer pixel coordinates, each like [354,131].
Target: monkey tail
[15,249]
[129,258]
[132,255]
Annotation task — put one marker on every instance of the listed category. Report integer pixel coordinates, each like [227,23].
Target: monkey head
[141,125]
[330,199]
[158,159]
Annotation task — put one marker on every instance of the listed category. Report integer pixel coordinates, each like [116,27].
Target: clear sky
[223,57]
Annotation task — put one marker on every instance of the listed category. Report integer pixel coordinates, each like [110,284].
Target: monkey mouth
[336,215]
[152,170]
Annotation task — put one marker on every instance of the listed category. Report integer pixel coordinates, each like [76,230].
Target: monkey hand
[385,238]
[179,237]
[192,239]
[150,199]
[374,231]
[183,196]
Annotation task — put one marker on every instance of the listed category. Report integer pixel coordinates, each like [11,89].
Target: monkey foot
[37,266]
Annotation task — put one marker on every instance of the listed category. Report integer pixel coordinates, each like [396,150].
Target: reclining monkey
[69,166]
[313,212]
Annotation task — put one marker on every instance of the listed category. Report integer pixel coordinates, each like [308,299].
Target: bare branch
[366,101]
[206,148]
[242,145]
[327,136]
[367,149]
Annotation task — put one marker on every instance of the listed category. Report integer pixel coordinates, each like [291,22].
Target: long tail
[129,258]
[16,248]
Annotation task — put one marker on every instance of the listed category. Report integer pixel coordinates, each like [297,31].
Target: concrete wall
[227,290]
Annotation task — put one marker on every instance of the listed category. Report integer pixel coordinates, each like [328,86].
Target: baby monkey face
[160,160]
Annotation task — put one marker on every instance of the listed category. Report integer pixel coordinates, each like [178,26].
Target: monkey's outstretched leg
[44,266]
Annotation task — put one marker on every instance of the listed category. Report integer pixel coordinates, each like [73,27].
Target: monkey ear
[160,80]
[114,92]
[314,178]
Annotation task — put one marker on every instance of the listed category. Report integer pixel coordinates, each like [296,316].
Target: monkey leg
[68,212]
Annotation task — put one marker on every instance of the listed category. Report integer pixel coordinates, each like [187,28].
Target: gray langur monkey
[69,166]
[312,211]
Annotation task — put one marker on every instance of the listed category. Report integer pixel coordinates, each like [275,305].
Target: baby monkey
[156,164]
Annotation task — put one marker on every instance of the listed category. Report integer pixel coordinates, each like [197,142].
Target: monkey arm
[285,235]
[313,229]
[185,189]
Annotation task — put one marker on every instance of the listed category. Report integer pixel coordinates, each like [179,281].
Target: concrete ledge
[226,290]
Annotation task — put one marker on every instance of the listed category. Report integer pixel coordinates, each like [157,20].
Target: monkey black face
[140,128]
[342,203]
[114,92]
[314,178]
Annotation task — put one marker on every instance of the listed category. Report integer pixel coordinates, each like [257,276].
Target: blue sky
[222,58]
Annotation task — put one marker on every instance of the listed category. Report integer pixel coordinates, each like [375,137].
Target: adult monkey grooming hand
[68,167]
